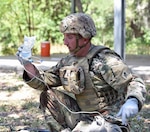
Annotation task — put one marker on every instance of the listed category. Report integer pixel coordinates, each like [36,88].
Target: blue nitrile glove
[129,109]
[20,58]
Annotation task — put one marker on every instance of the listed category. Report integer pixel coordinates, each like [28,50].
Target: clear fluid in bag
[27,47]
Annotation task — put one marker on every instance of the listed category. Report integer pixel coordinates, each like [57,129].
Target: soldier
[98,87]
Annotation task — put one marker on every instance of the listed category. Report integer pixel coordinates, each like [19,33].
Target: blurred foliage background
[42,18]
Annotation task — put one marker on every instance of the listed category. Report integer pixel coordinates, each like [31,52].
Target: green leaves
[42,19]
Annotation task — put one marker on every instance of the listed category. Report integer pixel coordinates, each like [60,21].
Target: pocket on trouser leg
[71,118]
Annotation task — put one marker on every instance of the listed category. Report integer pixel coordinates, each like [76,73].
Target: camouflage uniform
[99,82]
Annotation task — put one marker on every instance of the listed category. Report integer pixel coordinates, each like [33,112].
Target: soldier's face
[70,41]
[74,42]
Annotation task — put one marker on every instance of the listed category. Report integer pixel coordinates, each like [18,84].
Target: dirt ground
[19,107]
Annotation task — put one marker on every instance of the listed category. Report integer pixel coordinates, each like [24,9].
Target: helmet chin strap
[77,45]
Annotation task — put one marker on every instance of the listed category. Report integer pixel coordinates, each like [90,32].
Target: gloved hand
[20,58]
[129,109]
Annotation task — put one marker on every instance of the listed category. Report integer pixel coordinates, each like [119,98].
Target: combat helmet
[78,23]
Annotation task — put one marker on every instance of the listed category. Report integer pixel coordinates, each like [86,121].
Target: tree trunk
[79,5]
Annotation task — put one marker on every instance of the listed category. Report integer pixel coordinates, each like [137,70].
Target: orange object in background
[45,49]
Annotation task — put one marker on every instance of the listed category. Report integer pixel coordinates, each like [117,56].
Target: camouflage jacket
[107,71]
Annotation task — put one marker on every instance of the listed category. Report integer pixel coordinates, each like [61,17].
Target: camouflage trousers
[59,117]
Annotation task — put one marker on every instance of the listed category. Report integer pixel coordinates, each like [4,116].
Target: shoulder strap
[94,50]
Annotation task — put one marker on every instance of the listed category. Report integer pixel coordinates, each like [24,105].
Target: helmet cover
[78,23]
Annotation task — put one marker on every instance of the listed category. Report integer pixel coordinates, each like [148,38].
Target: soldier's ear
[86,40]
